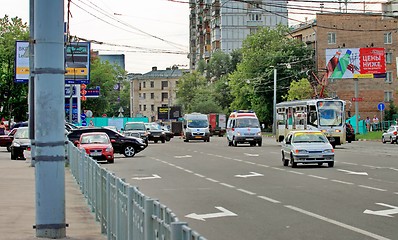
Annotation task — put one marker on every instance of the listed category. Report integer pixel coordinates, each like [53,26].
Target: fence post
[148,222]
[130,215]
[176,230]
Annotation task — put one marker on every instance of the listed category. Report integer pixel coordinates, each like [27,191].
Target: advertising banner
[355,63]
[163,112]
[77,62]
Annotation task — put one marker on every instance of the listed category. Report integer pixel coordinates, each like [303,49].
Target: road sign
[381,106]
[83,116]
[359,99]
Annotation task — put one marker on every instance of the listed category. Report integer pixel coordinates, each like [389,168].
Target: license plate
[197,136]
[249,138]
[95,154]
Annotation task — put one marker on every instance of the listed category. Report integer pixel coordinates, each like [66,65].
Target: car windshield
[330,113]
[134,126]
[309,137]
[153,126]
[92,138]
[197,123]
[22,133]
[247,123]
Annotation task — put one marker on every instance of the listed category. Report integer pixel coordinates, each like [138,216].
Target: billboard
[355,63]
[77,62]
[175,113]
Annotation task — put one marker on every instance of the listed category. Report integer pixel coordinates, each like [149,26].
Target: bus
[326,115]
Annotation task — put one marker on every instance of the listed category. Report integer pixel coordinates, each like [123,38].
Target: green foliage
[252,83]
[13,96]
[187,89]
[391,112]
[219,64]
[106,76]
[299,90]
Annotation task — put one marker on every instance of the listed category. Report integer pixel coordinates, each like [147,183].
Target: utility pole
[356,105]
[274,105]
[49,81]
[31,81]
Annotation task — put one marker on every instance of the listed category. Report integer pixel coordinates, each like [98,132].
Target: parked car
[169,134]
[70,126]
[390,135]
[307,147]
[98,145]
[136,129]
[155,132]
[126,145]
[20,142]
[6,140]
[19,124]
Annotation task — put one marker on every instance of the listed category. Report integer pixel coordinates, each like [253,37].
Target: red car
[6,140]
[97,145]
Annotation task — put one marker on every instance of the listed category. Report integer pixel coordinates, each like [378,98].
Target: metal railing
[124,213]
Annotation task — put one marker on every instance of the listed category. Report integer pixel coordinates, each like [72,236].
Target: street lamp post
[274,105]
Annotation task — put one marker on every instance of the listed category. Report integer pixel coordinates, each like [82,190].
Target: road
[245,192]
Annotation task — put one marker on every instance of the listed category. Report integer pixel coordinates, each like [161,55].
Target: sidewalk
[17,205]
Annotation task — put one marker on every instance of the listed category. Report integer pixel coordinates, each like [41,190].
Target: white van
[243,127]
[196,127]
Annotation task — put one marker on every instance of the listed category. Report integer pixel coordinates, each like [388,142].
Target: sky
[148,32]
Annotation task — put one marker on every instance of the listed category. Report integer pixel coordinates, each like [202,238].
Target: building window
[139,86]
[152,84]
[388,38]
[144,107]
[331,38]
[388,57]
[152,95]
[152,107]
[143,85]
[165,96]
[140,107]
[165,84]
[144,96]
[387,96]
[255,17]
[388,77]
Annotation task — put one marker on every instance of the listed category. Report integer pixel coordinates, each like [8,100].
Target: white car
[390,135]
[307,147]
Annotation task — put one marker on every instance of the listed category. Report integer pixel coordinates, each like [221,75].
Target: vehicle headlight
[301,151]
[259,133]
[17,144]
[328,151]
[108,149]
[238,134]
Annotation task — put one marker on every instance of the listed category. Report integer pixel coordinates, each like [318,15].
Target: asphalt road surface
[235,193]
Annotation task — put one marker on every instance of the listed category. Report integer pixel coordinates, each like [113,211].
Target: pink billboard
[355,63]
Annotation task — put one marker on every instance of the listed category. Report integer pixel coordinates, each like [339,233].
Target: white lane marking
[369,166]
[251,154]
[188,171]
[185,156]
[352,172]
[396,193]
[263,165]
[384,213]
[245,191]
[212,180]
[373,188]
[252,174]
[340,224]
[338,181]
[237,160]
[224,213]
[277,168]
[319,177]
[269,199]
[252,163]
[350,163]
[227,185]
[154,176]
[199,175]
[300,173]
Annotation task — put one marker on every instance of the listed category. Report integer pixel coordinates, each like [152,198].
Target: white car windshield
[309,137]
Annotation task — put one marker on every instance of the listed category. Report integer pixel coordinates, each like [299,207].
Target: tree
[299,90]
[187,89]
[107,77]
[252,82]
[13,96]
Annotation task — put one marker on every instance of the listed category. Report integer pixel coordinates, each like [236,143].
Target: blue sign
[83,116]
[381,106]
[84,123]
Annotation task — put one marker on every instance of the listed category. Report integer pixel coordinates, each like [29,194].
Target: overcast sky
[136,26]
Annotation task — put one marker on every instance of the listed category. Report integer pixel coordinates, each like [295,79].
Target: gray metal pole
[49,118]
[356,106]
[131,98]
[274,106]
[31,80]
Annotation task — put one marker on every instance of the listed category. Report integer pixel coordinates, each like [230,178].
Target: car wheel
[229,143]
[391,141]
[168,139]
[331,164]
[129,151]
[285,161]
[13,157]
[9,148]
[292,162]
[163,140]
[111,161]
[383,140]
[260,143]
[234,142]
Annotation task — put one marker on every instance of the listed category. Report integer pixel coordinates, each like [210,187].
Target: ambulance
[243,127]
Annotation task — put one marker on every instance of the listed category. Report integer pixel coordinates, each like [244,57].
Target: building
[223,24]
[152,90]
[331,31]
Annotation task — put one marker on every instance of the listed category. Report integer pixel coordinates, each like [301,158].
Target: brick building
[354,30]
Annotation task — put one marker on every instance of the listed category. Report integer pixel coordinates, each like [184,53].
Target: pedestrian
[2,128]
[91,124]
[375,123]
[367,122]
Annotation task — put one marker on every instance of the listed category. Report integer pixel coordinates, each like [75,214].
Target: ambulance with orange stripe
[243,127]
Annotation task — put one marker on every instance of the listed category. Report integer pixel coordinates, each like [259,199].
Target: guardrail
[122,210]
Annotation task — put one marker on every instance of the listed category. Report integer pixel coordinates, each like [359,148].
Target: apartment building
[223,24]
[152,90]
[344,31]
